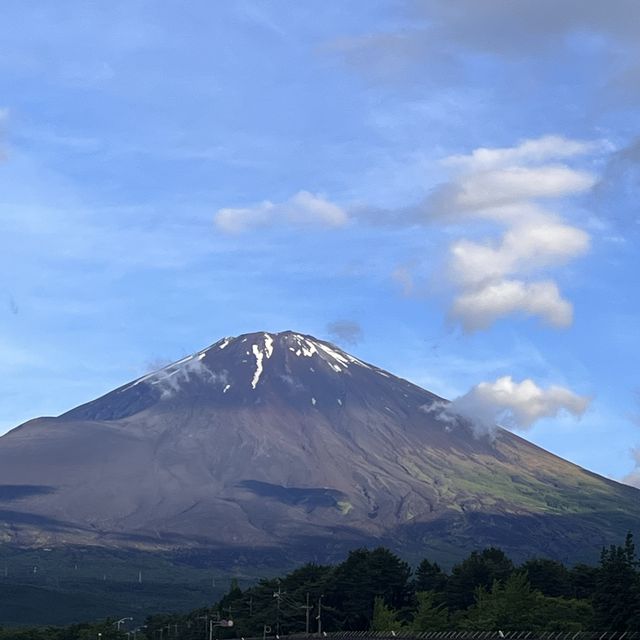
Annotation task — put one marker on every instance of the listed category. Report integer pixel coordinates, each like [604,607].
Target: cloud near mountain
[515,405]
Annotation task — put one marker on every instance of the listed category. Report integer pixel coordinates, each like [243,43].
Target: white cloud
[526,247]
[479,308]
[514,405]
[499,276]
[506,185]
[536,150]
[302,209]
[488,177]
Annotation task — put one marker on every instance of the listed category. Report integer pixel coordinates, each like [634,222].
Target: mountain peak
[255,368]
[252,352]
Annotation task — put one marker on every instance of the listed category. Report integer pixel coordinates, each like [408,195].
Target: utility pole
[206,623]
[319,618]
[307,611]
[250,606]
[278,595]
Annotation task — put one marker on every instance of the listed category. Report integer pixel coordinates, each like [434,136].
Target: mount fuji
[279,443]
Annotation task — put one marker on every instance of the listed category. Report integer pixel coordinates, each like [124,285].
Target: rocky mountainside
[282,443]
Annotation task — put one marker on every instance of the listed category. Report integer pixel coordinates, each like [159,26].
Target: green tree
[430,615]
[478,570]
[548,576]
[564,614]
[429,577]
[313,580]
[616,601]
[384,618]
[583,579]
[360,578]
[514,606]
[509,606]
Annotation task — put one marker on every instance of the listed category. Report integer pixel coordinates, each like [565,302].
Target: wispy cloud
[527,28]
[433,39]
[304,209]
[170,379]
[536,150]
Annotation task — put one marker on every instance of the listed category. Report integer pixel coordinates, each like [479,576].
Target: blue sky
[174,173]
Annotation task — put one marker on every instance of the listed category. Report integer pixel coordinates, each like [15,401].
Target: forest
[374,589]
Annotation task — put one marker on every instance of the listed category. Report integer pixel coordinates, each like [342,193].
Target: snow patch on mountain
[267,350]
[334,354]
[268,345]
[259,355]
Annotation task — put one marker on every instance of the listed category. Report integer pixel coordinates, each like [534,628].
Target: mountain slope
[282,441]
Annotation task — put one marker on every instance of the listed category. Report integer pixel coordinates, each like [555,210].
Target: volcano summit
[282,443]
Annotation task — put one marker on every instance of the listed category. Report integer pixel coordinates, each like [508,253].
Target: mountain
[282,444]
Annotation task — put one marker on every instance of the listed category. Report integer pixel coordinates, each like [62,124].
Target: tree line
[377,590]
